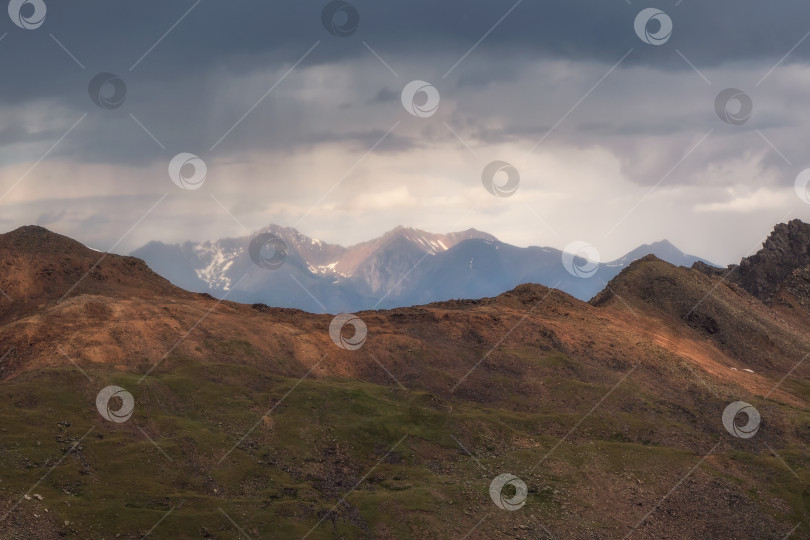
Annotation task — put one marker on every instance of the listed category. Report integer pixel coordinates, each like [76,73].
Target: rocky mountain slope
[782,261]
[404,267]
[258,421]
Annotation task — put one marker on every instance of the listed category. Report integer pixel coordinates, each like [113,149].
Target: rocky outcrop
[786,250]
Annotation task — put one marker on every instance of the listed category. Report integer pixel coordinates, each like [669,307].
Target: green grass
[231,347]
[314,448]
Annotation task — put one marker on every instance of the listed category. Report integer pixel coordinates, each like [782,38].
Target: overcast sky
[612,125]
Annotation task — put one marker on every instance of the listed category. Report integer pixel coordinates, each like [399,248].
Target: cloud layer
[617,141]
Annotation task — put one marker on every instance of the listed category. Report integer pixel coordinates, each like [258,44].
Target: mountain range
[530,414]
[404,267]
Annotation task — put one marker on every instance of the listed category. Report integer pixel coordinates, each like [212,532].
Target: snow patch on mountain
[216,263]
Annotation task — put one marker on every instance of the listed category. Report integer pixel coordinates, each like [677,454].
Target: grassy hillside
[328,436]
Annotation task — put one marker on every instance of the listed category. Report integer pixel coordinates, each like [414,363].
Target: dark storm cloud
[361,140]
[174,87]
[20,134]
[244,33]
[385,95]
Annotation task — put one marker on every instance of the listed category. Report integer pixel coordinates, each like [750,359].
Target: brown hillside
[515,376]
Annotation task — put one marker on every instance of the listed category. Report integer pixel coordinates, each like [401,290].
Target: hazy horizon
[605,257]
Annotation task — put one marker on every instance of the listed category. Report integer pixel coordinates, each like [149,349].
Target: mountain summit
[786,250]
[779,273]
[403,267]
[43,267]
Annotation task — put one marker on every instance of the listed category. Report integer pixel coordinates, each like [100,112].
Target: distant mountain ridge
[403,267]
